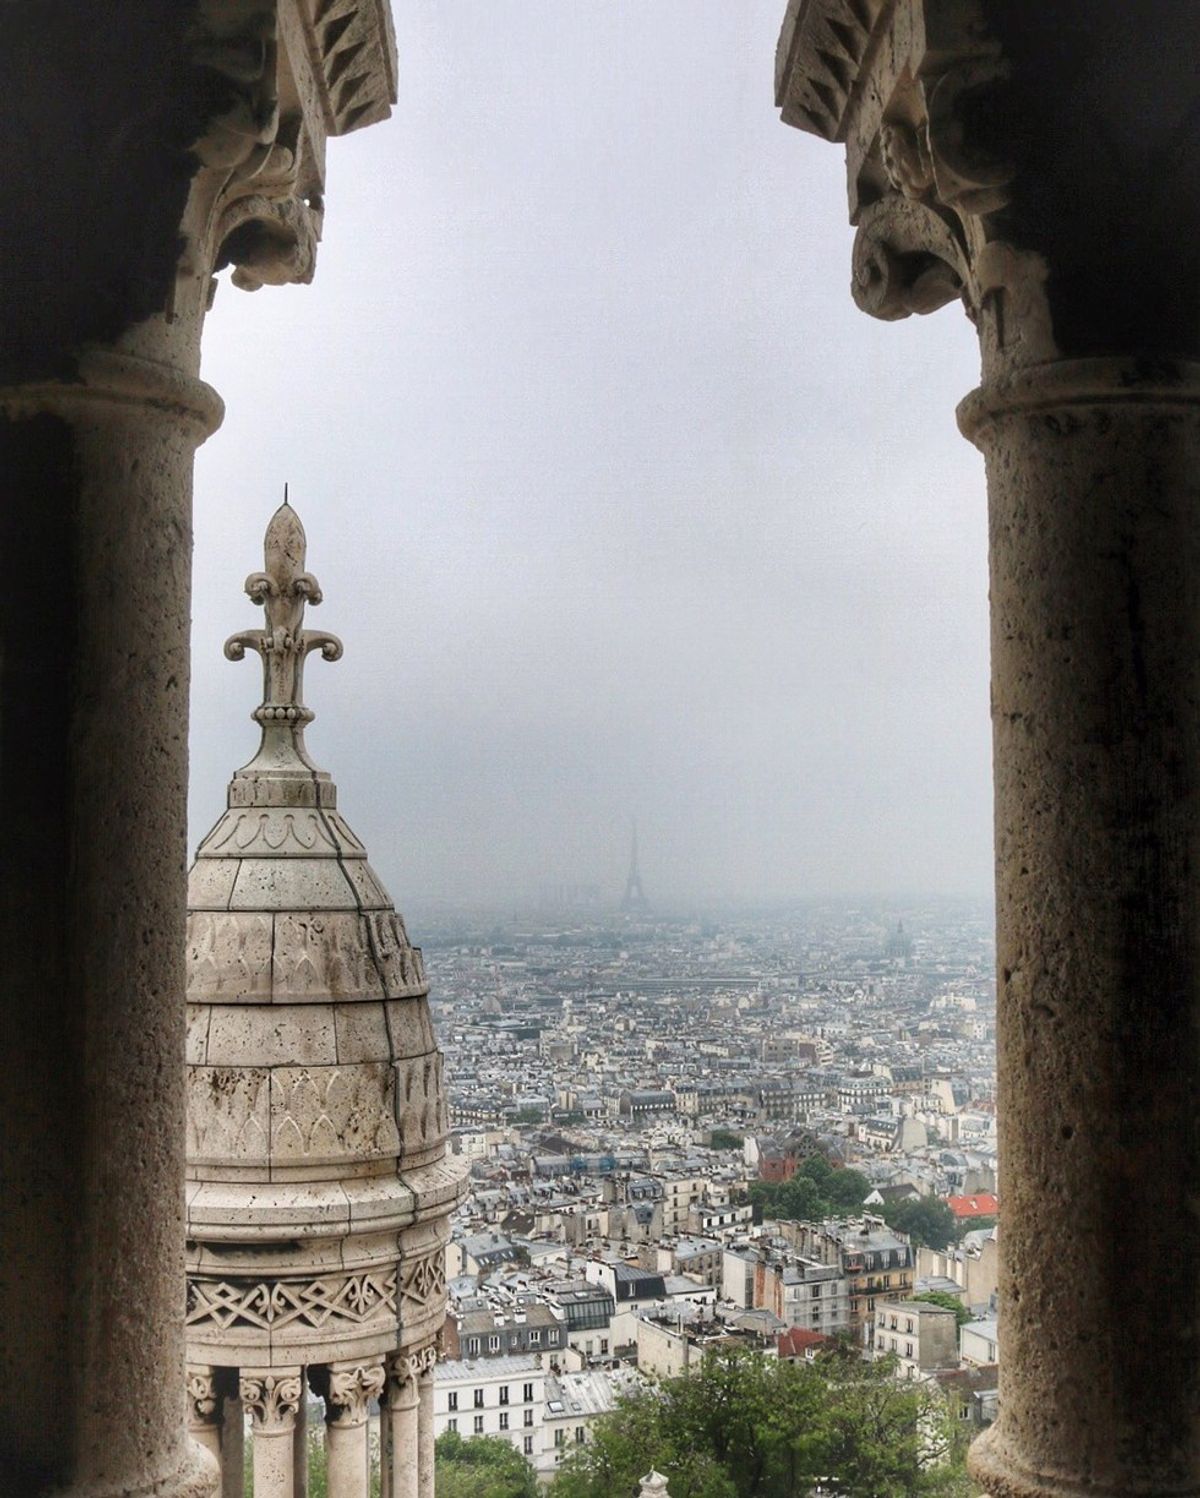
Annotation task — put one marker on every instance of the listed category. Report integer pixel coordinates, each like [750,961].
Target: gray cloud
[617,501]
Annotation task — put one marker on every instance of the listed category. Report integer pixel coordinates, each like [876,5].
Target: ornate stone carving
[350,1392]
[283,589]
[919,91]
[323,953]
[906,159]
[260,205]
[203,1395]
[272,1399]
[354,62]
[229,955]
[272,833]
[352,1299]
[311,1049]
[229,1114]
[399,963]
[423,1281]
[412,1364]
[906,260]
[318,1112]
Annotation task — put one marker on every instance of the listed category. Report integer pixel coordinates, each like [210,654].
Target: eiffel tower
[634,901]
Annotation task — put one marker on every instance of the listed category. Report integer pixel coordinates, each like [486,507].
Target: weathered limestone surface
[1042,164]
[143,147]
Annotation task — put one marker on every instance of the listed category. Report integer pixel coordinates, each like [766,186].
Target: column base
[1001,1476]
[198,1477]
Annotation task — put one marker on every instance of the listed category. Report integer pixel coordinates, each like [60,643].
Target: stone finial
[654,1485]
[282,589]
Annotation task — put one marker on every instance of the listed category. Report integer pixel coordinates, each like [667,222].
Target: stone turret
[318,1185]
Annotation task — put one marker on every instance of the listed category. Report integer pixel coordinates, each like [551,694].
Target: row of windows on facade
[533,1335]
[504,1398]
[872,1288]
[477,1424]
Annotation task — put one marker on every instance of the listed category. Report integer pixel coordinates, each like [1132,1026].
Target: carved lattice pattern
[423,1281]
[354,1298]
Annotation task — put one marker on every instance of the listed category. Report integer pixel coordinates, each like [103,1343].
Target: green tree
[802,1200]
[847,1189]
[817,1168]
[816,1191]
[725,1139]
[482,1467]
[744,1426]
[949,1302]
[891,1439]
[928,1221]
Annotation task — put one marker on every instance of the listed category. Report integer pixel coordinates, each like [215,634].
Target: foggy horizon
[619,505]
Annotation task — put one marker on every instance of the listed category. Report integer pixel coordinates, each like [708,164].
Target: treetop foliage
[744,1426]
[482,1467]
[818,1191]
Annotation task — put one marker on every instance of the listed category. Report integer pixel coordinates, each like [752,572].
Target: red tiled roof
[984,1205]
[797,1341]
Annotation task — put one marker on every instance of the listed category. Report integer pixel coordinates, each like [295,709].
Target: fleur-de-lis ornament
[283,588]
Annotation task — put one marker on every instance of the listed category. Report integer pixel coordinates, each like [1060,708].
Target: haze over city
[619,504]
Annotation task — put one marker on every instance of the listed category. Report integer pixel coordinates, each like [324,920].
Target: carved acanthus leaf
[203,1396]
[271,1398]
[906,259]
[240,50]
[925,103]
[351,1390]
[259,202]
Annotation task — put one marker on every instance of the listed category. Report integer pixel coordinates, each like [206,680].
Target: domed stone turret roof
[318,1185]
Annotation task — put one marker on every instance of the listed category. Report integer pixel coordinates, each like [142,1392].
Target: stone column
[1095,553]
[348,1400]
[425,1436]
[95,545]
[233,1437]
[300,1440]
[987,159]
[189,136]
[403,1400]
[272,1400]
[204,1410]
[385,1446]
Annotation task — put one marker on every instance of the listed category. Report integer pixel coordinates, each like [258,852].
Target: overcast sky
[618,503]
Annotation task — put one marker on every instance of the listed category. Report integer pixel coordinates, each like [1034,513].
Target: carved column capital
[203,1395]
[272,1399]
[405,1372]
[919,92]
[349,1391]
[981,168]
[271,82]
